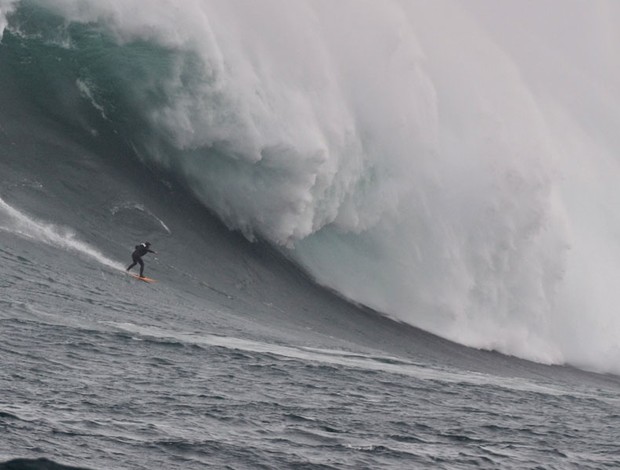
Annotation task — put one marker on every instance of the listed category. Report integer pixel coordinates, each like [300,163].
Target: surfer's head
[147,243]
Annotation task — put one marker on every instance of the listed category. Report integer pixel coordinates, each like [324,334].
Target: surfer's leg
[141,267]
[136,260]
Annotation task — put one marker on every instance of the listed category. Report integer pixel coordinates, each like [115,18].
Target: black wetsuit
[137,255]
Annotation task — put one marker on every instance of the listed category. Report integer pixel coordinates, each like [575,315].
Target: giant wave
[451,165]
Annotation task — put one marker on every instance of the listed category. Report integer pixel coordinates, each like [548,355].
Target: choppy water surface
[101,381]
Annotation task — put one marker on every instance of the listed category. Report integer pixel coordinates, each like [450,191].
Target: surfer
[141,250]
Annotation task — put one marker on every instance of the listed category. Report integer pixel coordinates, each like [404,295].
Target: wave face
[451,165]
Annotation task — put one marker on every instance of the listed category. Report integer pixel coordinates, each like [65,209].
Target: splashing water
[16,222]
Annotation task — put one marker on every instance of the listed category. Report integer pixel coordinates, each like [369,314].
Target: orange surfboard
[145,279]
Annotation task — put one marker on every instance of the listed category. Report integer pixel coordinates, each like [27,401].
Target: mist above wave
[449,164]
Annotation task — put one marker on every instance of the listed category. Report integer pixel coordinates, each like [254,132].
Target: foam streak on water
[18,223]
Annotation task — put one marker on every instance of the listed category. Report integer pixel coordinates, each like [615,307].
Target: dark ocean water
[235,358]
